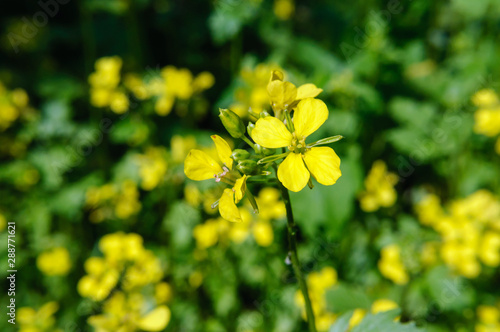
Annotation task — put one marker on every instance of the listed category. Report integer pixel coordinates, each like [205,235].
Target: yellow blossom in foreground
[200,166]
[54,262]
[322,162]
[284,95]
[41,320]
[379,188]
[391,266]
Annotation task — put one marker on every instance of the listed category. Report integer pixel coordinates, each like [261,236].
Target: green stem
[244,138]
[292,242]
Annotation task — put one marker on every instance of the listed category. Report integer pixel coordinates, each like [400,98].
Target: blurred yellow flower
[379,188]
[41,320]
[13,104]
[283,9]
[54,262]
[391,265]
[469,230]
[152,167]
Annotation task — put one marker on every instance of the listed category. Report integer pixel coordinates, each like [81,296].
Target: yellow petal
[282,94]
[324,165]
[308,91]
[223,150]
[293,173]
[239,188]
[156,320]
[227,208]
[309,116]
[200,166]
[270,132]
[276,75]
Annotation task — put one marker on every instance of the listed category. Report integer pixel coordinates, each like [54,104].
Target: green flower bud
[268,152]
[239,154]
[232,122]
[264,114]
[250,128]
[247,166]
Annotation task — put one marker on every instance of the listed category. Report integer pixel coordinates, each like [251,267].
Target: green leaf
[384,322]
[341,324]
[343,298]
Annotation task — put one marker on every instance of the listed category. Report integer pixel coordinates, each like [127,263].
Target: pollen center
[298,144]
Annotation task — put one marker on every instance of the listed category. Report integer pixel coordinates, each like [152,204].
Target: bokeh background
[101,100]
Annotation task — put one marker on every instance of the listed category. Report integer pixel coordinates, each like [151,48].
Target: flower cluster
[110,200]
[13,104]
[217,230]
[108,89]
[152,167]
[54,262]
[469,230]
[487,116]
[301,159]
[391,265]
[379,188]
[104,85]
[128,279]
[171,84]
[41,320]
[489,319]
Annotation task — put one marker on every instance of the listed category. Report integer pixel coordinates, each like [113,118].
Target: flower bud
[268,152]
[250,128]
[239,154]
[247,166]
[264,114]
[232,122]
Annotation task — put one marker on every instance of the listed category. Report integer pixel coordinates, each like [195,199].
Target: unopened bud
[239,154]
[250,128]
[247,166]
[232,122]
[264,114]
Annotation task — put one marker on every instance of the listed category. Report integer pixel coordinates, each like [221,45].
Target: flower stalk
[292,243]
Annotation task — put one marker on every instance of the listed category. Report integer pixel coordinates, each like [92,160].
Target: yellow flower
[322,162]
[283,9]
[382,305]
[284,95]
[379,190]
[485,98]
[54,262]
[391,266]
[200,166]
[41,320]
[152,167]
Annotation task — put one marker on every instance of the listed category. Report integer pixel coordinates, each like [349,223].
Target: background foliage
[398,78]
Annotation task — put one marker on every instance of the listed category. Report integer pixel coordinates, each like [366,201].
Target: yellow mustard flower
[322,162]
[284,95]
[152,167]
[391,265]
[122,312]
[54,262]
[200,166]
[488,319]
[41,320]
[379,188]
